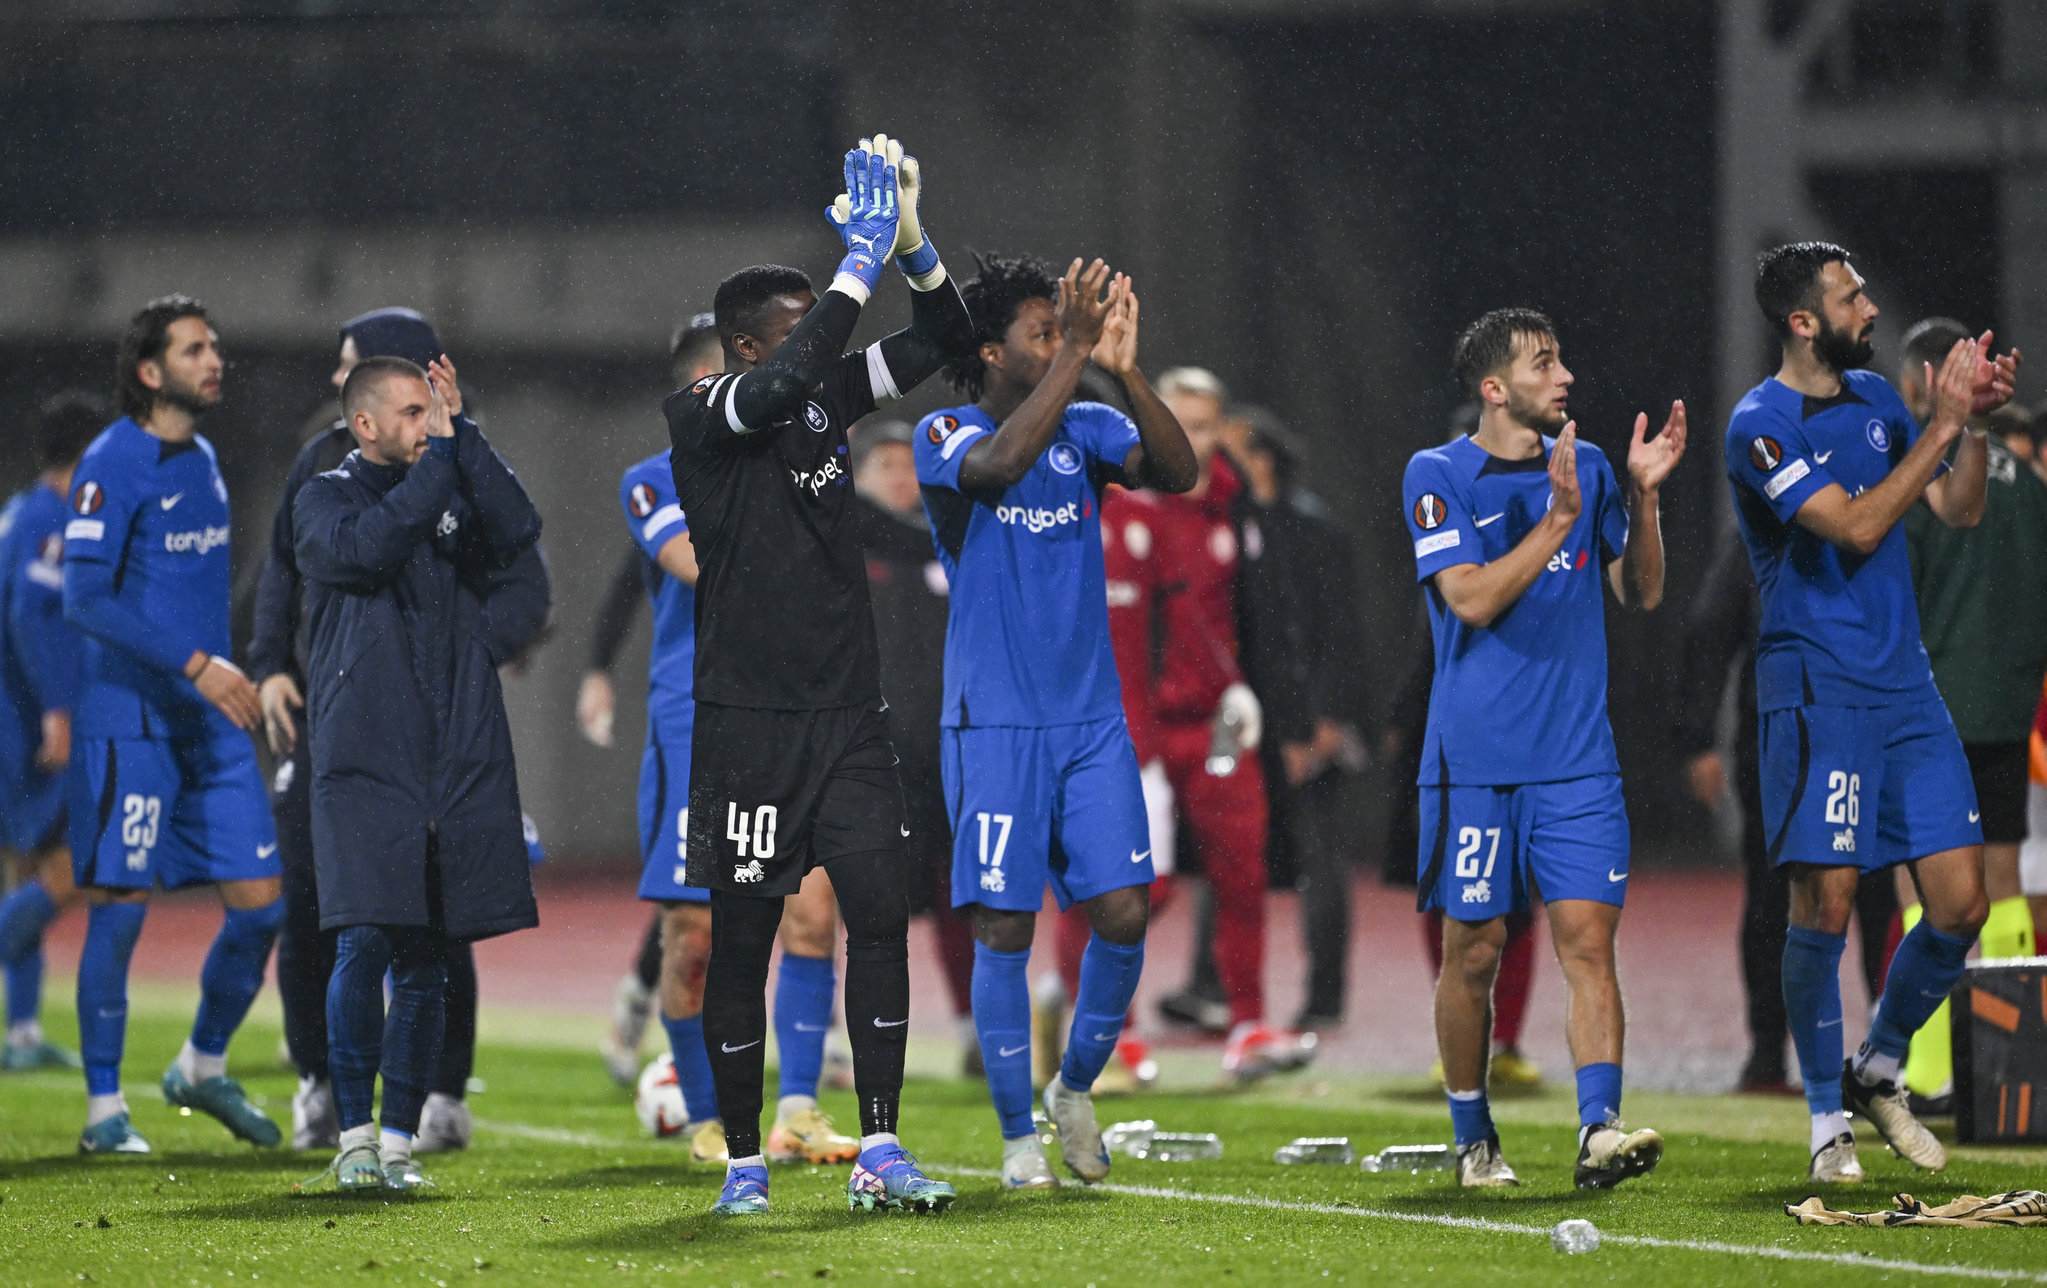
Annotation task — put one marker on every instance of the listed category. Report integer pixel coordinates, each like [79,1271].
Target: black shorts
[2000,771]
[773,794]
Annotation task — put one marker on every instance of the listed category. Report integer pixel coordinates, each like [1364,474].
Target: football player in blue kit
[1040,776]
[809,979]
[1861,766]
[1517,535]
[38,684]
[164,787]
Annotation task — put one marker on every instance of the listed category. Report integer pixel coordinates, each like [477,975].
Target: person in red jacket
[1172,564]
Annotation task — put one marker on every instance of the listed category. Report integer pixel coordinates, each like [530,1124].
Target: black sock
[873,891]
[736,1011]
[648,967]
[305,953]
[458,1031]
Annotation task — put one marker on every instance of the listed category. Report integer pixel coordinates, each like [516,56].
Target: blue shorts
[1487,850]
[664,814]
[1865,787]
[1060,805]
[169,812]
[31,805]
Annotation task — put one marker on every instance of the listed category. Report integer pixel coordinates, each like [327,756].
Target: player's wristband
[919,261]
[861,268]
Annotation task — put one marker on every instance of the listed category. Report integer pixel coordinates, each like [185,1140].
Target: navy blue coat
[411,751]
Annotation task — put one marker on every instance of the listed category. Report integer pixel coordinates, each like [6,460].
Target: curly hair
[998,288]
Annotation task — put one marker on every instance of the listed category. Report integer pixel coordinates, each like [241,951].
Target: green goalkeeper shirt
[1982,595]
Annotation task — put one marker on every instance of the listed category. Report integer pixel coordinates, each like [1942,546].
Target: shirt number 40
[755,827]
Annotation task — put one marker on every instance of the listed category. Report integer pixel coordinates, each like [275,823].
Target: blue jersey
[1027,635]
[38,652]
[146,581]
[1838,629]
[648,494]
[1524,699]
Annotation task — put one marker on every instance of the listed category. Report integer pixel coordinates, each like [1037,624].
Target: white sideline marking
[561,1136]
[552,1135]
[1507,1227]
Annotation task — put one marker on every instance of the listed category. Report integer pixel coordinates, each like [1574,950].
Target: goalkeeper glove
[869,228]
[914,253]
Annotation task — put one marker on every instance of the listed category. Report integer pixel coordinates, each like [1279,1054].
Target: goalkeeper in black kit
[791,765]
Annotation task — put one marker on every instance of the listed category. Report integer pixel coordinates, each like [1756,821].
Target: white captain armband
[879,378]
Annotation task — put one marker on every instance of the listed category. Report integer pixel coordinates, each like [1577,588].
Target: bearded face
[1842,349]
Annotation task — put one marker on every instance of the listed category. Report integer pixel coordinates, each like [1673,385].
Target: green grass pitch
[562,1187]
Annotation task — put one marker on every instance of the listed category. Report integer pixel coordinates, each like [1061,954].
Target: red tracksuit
[1172,575]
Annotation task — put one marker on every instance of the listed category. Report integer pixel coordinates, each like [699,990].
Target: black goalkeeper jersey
[782,611]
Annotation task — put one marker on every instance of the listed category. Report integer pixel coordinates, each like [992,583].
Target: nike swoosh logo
[1105,1037]
[1494,519]
[1821,457]
[168,501]
[1974,816]
[1828,1024]
[1135,857]
[729,1049]
[801,1027]
[905,831]
[265,851]
[1003,1053]
[880,1023]
[1616,877]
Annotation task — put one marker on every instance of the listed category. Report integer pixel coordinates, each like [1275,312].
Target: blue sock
[25,987]
[1812,1003]
[1002,1019]
[803,1015]
[693,1066]
[1599,1094]
[24,914]
[233,974]
[110,933]
[1471,1117]
[1923,973]
[355,1021]
[1108,980]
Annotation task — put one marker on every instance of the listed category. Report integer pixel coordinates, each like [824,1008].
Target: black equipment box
[2000,1051]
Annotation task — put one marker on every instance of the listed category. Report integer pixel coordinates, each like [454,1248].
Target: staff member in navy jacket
[519,601]
[416,826]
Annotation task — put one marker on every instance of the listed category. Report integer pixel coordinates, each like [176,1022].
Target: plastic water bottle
[1316,1149]
[1130,1137]
[1181,1147]
[1411,1158]
[1575,1236]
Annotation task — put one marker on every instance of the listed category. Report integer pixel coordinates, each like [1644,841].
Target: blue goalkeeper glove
[914,253]
[869,229]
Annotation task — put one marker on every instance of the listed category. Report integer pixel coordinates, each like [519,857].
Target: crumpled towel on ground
[2015,1207]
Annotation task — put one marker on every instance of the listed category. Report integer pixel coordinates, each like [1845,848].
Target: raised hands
[1994,378]
[1116,351]
[1565,499]
[1083,311]
[447,398]
[1650,461]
